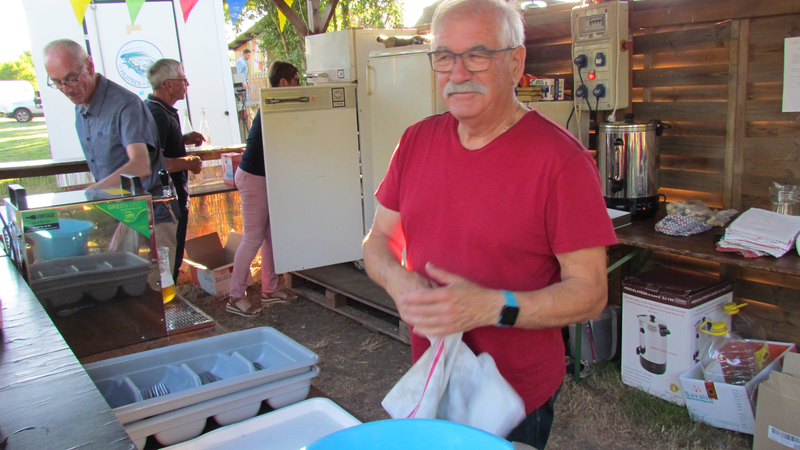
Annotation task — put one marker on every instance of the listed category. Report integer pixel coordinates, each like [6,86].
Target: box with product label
[777,427]
[552,88]
[725,405]
[230,161]
[211,263]
[663,311]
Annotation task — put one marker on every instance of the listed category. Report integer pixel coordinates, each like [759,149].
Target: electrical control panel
[601,60]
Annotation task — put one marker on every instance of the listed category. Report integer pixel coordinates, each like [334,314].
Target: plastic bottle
[167,283]
[727,358]
[204,129]
[747,328]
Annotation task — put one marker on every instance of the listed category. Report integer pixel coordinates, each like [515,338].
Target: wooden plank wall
[713,69]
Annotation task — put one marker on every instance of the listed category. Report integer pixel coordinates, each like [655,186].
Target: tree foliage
[290,46]
[21,69]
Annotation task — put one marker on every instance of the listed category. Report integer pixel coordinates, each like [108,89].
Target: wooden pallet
[345,289]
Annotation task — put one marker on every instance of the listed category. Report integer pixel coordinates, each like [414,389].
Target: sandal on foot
[251,310]
[273,298]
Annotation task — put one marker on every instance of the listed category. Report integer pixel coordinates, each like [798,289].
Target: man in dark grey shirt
[116,131]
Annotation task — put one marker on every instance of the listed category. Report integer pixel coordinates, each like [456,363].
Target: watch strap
[508,316]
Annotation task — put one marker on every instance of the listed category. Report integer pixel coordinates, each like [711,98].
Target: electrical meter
[600,62]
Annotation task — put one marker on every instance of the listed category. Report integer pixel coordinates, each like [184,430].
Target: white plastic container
[186,423]
[288,428]
[157,381]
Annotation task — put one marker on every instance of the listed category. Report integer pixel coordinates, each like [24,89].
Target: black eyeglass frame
[70,83]
[457,55]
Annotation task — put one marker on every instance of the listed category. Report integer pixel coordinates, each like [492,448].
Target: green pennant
[132,214]
[133,8]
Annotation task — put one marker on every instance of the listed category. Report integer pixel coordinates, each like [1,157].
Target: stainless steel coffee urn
[628,158]
[652,349]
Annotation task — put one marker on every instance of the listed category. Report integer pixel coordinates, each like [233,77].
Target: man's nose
[460,72]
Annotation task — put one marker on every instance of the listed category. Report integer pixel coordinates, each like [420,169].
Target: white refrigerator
[311,160]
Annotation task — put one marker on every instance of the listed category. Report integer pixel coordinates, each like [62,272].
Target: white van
[15,90]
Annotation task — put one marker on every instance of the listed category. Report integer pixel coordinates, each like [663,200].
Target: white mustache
[467,86]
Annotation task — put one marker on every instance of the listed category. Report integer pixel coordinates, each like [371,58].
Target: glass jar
[785,199]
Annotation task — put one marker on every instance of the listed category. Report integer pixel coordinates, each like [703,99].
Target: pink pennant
[186,6]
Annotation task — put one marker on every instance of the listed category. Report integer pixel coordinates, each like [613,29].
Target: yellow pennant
[79,6]
[281,17]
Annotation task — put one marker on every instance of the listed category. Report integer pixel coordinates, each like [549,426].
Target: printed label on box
[782,438]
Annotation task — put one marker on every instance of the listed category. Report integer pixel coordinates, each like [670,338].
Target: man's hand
[459,305]
[193,138]
[195,164]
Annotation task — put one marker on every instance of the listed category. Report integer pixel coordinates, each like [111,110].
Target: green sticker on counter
[43,219]
[132,213]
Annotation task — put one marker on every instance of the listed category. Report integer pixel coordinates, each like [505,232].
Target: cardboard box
[230,161]
[728,405]
[777,426]
[662,312]
[211,263]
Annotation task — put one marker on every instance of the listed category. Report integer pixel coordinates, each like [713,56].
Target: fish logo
[133,61]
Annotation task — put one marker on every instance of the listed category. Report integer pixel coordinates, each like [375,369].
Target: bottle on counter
[167,283]
[187,127]
[204,129]
[747,328]
[727,357]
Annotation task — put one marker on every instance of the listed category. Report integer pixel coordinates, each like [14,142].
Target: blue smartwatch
[508,316]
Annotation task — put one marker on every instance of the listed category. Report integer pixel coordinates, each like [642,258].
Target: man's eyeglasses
[474,60]
[58,84]
[184,79]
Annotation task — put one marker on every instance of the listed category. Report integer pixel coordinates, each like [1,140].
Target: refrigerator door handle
[275,101]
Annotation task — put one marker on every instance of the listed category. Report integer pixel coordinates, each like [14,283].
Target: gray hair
[74,50]
[163,70]
[509,18]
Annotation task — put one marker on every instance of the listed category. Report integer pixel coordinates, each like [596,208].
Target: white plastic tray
[237,361]
[187,423]
[289,428]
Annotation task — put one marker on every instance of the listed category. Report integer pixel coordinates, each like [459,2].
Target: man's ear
[284,83]
[90,65]
[518,63]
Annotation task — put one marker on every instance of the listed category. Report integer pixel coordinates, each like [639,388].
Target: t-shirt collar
[171,109]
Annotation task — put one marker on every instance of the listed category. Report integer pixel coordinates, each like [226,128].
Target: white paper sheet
[791,74]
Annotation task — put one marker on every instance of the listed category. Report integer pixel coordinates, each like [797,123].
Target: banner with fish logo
[134,59]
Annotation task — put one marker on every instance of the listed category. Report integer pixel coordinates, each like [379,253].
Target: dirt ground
[359,366]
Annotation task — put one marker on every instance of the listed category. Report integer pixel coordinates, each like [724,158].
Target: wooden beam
[292,17]
[737,97]
[314,17]
[327,16]
[711,11]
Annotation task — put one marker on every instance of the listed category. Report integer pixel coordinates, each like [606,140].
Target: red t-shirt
[498,216]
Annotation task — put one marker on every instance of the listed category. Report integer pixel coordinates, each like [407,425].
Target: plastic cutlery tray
[187,423]
[157,381]
[65,280]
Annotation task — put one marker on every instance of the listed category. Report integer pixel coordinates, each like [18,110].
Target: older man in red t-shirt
[500,212]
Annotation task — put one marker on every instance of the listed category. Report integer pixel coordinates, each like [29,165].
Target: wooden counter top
[642,234]
[48,401]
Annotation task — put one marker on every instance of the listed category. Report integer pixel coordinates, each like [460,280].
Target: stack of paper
[762,231]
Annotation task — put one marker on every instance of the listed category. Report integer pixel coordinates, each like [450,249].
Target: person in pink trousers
[251,182]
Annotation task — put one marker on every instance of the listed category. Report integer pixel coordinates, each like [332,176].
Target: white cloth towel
[763,231]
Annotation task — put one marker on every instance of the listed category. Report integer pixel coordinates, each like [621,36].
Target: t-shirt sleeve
[577,217]
[137,125]
[388,193]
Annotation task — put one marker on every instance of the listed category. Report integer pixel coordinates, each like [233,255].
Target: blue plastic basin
[70,239]
[410,434]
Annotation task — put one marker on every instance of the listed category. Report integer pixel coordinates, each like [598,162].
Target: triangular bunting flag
[281,17]
[186,7]
[79,6]
[133,8]
[235,8]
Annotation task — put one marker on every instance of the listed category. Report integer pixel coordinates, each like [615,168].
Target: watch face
[509,316]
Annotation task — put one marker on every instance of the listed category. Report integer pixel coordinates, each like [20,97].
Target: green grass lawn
[23,141]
